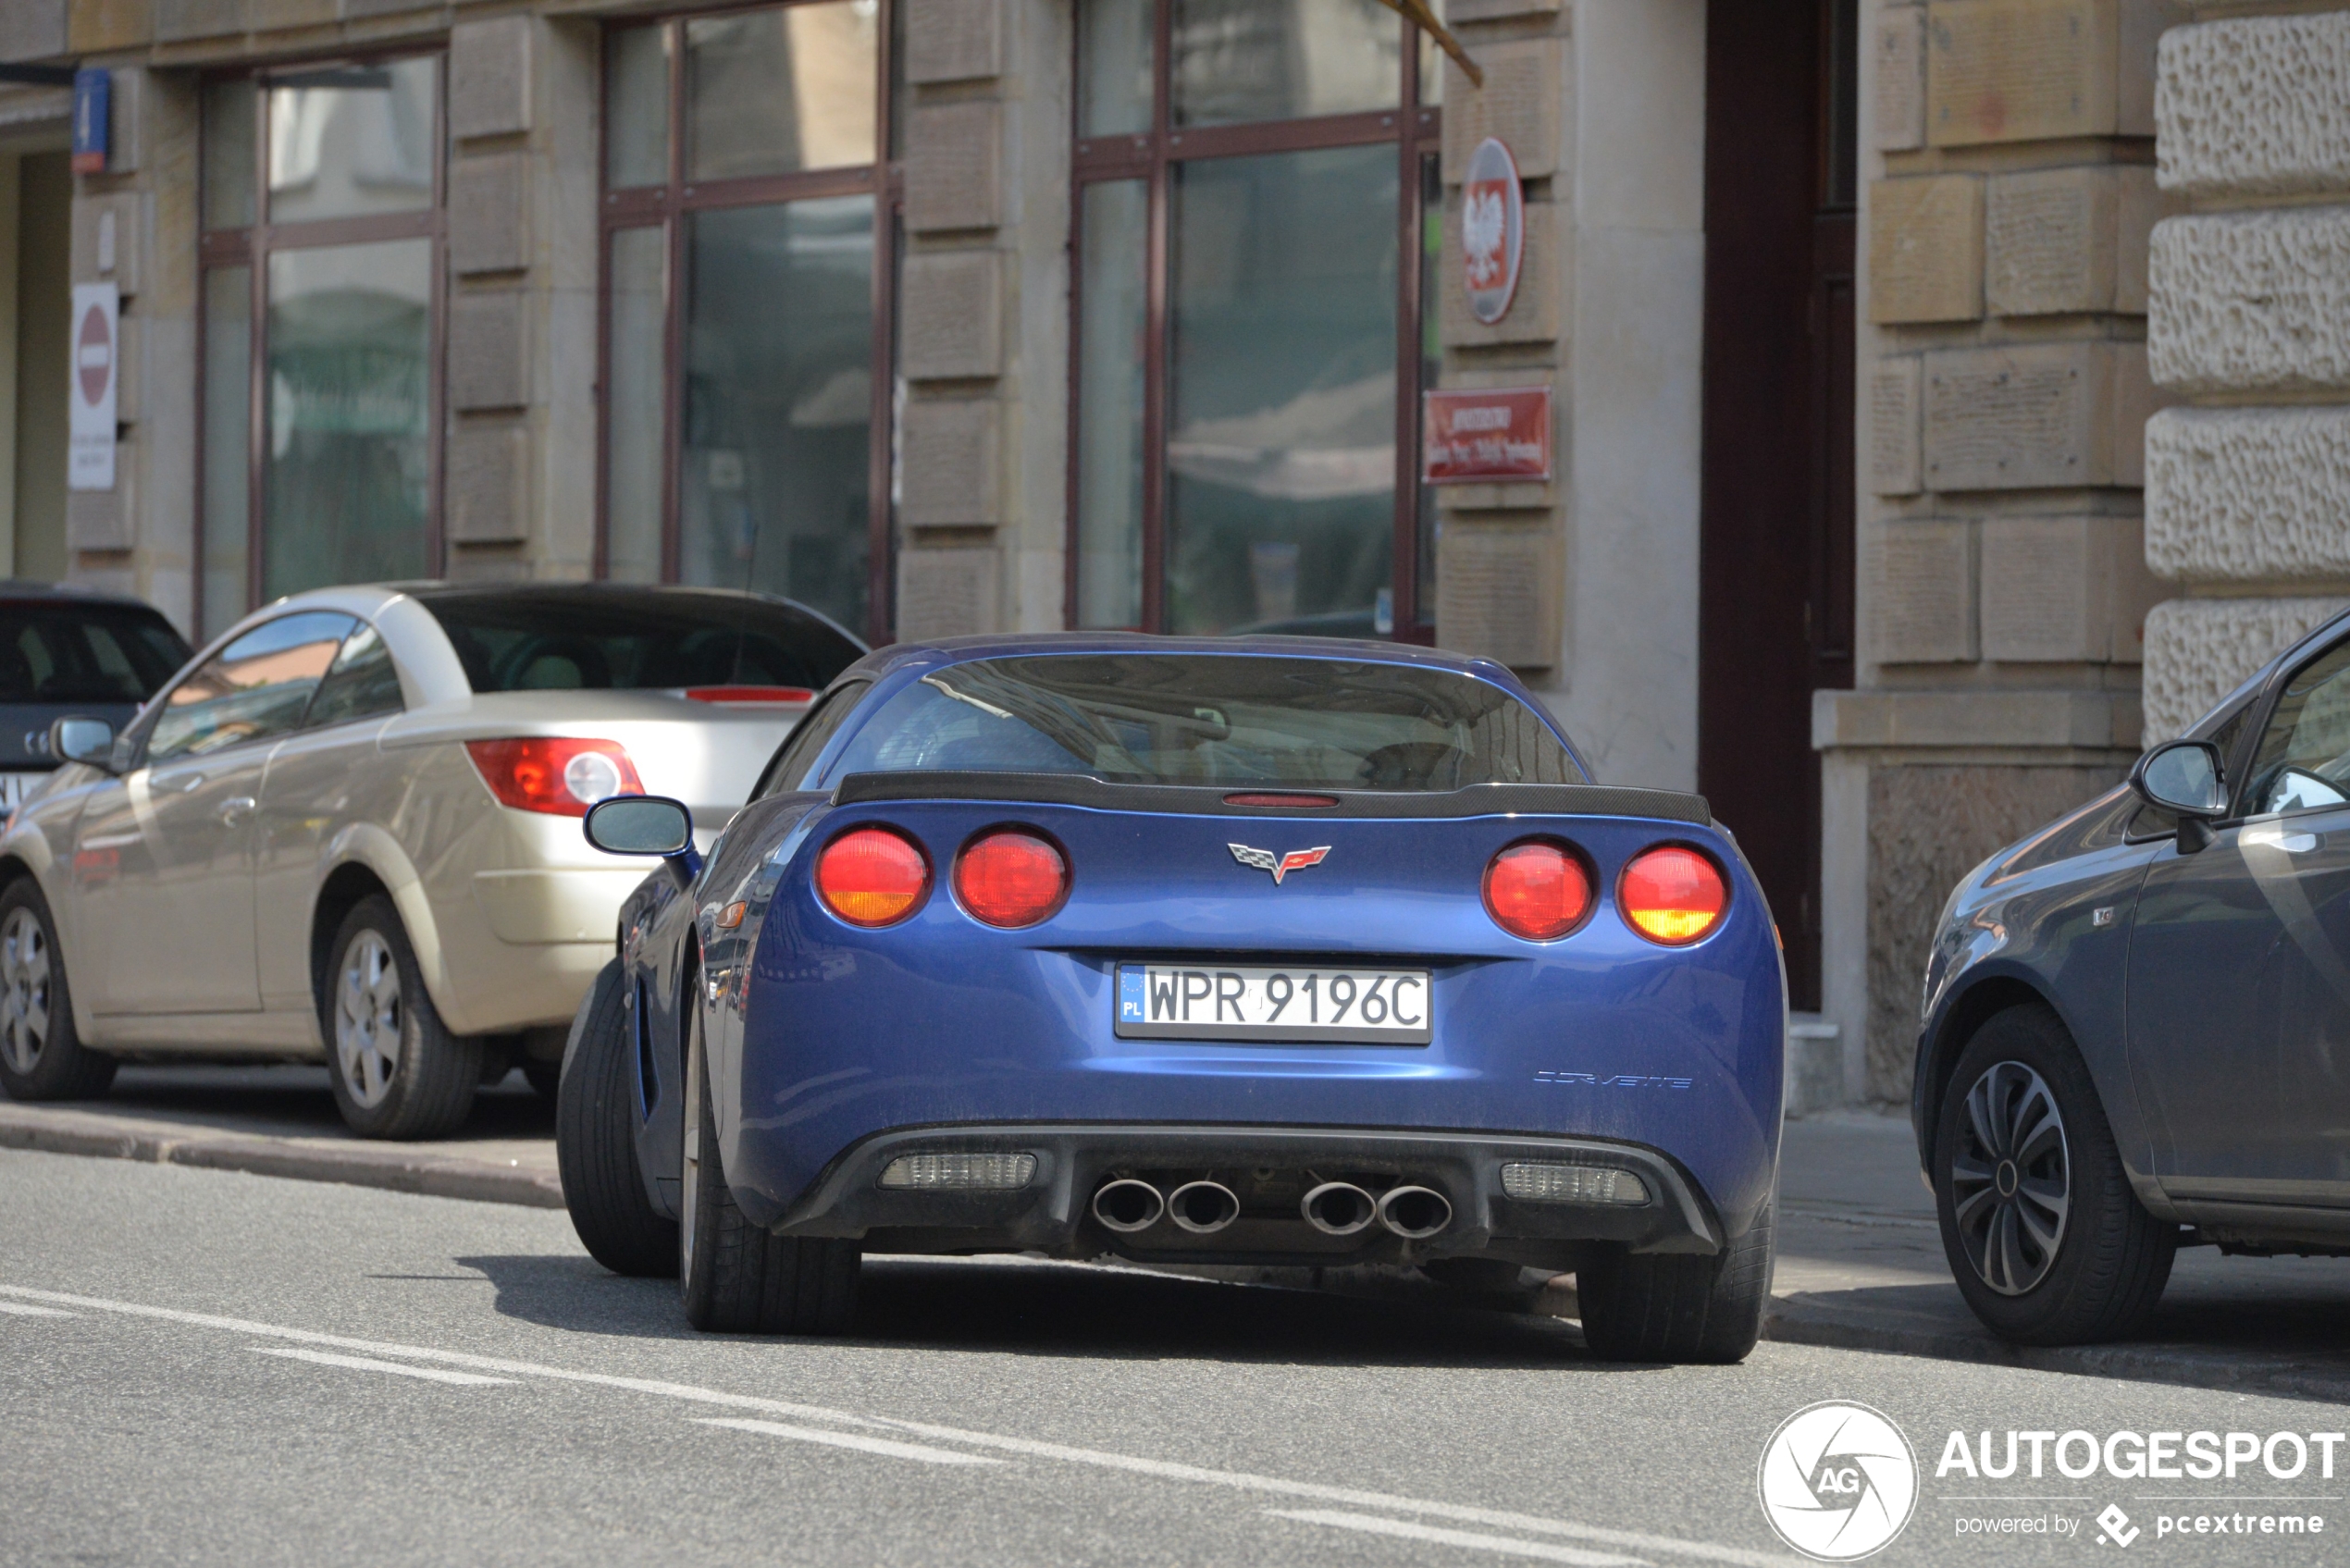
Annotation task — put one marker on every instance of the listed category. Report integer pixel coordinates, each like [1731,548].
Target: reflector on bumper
[1572,1184]
[998,1172]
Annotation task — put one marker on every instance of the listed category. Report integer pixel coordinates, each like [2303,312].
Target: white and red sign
[1492,230]
[1487,436]
[97,343]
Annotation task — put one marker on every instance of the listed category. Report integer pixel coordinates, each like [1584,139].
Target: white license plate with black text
[1251,1002]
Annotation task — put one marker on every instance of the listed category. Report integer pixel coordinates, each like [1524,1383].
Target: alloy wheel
[369,1019]
[24,990]
[2012,1178]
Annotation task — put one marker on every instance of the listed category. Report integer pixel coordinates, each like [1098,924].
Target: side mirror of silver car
[88,741]
[2183,778]
[645,824]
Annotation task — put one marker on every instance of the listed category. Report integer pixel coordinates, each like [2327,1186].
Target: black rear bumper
[1269,1168]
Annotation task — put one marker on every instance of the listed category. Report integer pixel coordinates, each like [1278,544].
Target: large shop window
[747,375]
[321,191]
[1252,181]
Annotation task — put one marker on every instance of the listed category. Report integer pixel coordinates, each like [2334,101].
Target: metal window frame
[668,205]
[251,245]
[1416,129]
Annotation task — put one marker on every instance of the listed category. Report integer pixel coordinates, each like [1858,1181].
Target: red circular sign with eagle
[1492,230]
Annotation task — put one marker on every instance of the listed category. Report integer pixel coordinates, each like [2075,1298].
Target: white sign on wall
[96,359]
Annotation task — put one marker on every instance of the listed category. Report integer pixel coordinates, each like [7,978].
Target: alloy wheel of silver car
[2012,1178]
[24,990]
[369,1019]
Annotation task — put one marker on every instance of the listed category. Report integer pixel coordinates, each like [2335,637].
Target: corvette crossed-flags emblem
[1280,865]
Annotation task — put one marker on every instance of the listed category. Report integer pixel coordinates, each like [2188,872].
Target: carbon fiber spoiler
[1084,790]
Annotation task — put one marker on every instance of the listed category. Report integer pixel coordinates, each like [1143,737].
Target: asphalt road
[206,1366]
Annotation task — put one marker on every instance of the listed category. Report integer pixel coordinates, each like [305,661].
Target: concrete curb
[2179,1365]
[392,1168]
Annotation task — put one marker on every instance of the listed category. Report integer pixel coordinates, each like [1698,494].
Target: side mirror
[88,741]
[645,824]
[2183,778]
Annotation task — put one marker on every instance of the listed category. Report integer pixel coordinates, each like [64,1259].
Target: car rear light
[984,1172]
[561,775]
[1537,890]
[1673,896]
[1012,878]
[1284,802]
[1572,1184]
[871,877]
[749,693]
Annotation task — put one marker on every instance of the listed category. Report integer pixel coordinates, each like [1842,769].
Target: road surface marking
[1508,1546]
[362,1363]
[847,1441]
[23,1309]
[1632,1540]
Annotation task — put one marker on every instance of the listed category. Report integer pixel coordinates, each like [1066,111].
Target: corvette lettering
[1280,865]
[1612,1080]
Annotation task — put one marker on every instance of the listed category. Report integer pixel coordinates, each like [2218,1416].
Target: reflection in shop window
[778,92]
[351,139]
[1238,60]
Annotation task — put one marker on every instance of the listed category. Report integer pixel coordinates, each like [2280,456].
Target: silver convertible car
[349,830]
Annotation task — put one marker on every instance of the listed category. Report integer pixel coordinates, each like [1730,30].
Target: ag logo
[1837,1481]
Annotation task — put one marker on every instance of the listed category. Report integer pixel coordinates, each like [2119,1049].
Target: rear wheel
[396,1071]
[1673,1306]
[2050,1244]
[41,1056]
[736,1278]
[596,1140]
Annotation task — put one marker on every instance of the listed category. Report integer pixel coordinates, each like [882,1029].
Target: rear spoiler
[1100,794]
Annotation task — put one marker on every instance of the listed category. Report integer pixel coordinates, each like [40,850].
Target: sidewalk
[1860,1264]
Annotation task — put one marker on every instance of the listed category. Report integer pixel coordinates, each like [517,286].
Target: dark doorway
[1776,577]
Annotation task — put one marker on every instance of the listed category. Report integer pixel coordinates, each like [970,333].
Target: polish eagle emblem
[1278,865]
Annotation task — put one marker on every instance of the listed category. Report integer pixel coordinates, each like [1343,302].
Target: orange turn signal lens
[1673,896]
[871,877]
[1537,890]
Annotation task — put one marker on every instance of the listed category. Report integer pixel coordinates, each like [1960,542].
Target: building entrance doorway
[1776,509]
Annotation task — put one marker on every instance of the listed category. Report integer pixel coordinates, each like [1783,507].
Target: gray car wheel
[41,1056]
[2011,1178]
[396,1071]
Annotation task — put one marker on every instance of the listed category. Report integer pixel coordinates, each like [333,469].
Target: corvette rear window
[634,639]
[1212,719]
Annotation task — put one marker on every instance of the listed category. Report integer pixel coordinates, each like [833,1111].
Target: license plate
[1248,1002]
[14,787]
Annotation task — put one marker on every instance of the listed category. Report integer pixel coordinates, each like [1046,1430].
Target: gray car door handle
[235,807]
[186,783]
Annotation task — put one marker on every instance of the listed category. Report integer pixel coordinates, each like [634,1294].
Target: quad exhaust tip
[1415,1212]
[1339,1208]
[1202,1208]
[1127,1205]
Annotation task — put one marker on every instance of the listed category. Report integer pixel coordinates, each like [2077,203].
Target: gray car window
[789,769]
[2302,763]
[360,684]
[256,688]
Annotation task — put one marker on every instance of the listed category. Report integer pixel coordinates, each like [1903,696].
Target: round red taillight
[1673,896]
[1012,878]
[871,877]
[1537,890]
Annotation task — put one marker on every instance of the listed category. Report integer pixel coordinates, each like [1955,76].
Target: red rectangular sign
[1486,436]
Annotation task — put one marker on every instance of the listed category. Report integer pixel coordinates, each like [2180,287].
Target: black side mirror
[645,824]
[2183,778]
[87,741]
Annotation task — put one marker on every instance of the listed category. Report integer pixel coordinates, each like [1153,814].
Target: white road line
[364,1364]
[1630,1540]
[846,1440]
[1507,1545]
[22,1309]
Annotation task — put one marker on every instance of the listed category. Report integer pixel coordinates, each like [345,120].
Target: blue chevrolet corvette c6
[1280,951]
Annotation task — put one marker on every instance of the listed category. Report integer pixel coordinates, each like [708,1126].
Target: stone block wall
[2248,486]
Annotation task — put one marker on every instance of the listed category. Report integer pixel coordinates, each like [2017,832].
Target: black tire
[544,1077]
[396,1069]
[596,1139]
[41,1058]
[2110,1258]
[1676,1306]
[735,1278]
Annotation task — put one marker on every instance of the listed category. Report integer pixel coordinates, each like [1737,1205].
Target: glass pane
[637,384]
[228,430]
[637,106]
[349,412]
[256,687]
[85,653]
[363,682]
[1282,457]
[594,636]
[774,492]
[346,140]
[1113,67]
[1252,59]
[775,92]
[229,112]
[1112,339]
